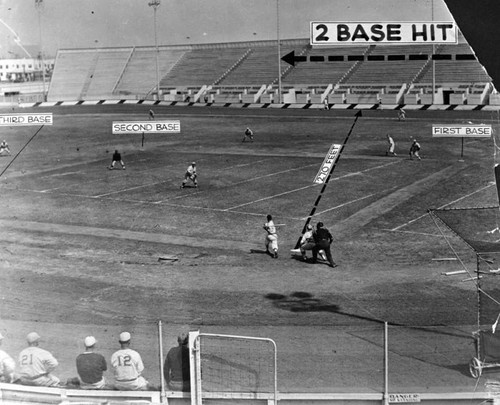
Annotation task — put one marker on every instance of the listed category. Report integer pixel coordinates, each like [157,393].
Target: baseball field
[89,251]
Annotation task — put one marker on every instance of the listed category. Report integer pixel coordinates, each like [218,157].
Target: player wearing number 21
[128,367]
[37,364]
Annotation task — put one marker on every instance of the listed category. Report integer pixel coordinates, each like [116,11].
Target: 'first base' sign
[327,166]
[460,131]
[150,127]
[10,120]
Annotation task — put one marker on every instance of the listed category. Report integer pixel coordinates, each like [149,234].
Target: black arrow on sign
[290,58]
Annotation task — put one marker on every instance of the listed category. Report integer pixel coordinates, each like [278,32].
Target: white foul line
[443,206]
[340,206]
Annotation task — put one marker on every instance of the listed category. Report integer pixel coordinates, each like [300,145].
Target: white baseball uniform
[35,366]
[7,367]
[127,365]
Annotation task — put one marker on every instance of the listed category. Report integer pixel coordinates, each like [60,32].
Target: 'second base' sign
[150,127]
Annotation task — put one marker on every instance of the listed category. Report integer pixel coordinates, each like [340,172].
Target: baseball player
[36,364]
[7,366]
[117,157]
[4,148]
[151,115]
[414,150]
[401,114]
[271,237]
[391,147]
[190,175]
[248,134]
[128,367]
[91,366]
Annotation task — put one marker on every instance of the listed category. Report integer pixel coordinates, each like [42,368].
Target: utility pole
[155,4]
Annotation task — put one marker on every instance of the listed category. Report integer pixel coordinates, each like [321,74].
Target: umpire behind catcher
[323,239]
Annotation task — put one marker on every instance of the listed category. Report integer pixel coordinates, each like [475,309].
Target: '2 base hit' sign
[343,33]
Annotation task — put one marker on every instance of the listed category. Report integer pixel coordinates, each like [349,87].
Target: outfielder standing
[36,364]
[190,175]
[128,367]
[271,237]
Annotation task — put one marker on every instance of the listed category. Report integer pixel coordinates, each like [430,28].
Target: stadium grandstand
[247,72]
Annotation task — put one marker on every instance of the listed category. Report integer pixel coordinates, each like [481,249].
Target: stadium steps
[238,63]
[355,66]
[90,75]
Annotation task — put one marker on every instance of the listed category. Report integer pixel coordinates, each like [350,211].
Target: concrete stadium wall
[305,106]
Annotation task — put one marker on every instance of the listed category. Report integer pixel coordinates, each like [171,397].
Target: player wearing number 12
[128,367]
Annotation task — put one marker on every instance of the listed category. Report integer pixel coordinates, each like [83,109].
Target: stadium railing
[12,394]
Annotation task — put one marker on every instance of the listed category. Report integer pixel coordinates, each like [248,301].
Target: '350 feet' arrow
[311,214]
[292,59]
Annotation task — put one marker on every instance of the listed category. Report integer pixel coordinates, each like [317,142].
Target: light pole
[39,7]
[155,4]
[279,48]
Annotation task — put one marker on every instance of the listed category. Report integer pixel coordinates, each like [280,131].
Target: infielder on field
[4,148]
[414,150]
[117,157]
[248,134]
[190,175]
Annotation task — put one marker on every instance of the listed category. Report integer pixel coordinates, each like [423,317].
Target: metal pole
[386,365]
[39,6]
[155,4]
[163,396]
[279,48]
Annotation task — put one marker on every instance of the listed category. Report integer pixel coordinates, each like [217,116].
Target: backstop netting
[237,365]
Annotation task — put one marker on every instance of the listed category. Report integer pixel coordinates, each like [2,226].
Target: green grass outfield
[80,244]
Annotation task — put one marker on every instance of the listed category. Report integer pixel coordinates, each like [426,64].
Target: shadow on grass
[301,301]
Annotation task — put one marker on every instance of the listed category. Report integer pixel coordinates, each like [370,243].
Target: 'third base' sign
[327,166]
[150,127]
[11,120]
[461,131]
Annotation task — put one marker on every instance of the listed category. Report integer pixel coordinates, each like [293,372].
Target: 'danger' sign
[327,166]
[341,33]
[139,127]
[9,120]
